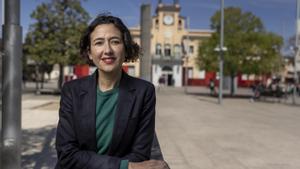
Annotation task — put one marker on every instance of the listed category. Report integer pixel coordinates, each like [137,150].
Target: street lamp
[221,62]
[11,87]
[187,50]
[296,53]
[186,78]
[218,49]
[297,44]
[221,49]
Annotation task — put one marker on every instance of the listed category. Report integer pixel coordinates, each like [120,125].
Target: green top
[105,115]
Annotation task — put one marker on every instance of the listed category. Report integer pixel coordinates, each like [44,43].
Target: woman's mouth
[108,60]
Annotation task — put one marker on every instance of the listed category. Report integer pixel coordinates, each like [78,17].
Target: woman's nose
[107,48]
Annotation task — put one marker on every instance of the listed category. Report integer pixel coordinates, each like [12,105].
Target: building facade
[174,47]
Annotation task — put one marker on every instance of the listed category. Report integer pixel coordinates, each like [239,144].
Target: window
[191,50]
[177,50]
[179,24]
[190,72]
[201,74]
[156,23]
[167,50]
[158,49]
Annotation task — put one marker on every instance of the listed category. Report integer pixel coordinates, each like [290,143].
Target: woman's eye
[99,43]
[115,42]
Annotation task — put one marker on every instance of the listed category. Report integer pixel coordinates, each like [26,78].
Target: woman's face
[107,48]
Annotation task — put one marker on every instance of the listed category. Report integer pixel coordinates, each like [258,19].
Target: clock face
[168,19]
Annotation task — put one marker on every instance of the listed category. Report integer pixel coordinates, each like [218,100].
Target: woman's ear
[88,51]
[90,56]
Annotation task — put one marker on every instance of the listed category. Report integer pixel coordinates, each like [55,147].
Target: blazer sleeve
[141,147]
[70,156]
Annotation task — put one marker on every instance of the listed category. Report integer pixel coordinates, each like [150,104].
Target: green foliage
[54,37]
[250,48]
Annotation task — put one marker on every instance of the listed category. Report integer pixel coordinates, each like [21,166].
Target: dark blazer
[133,131]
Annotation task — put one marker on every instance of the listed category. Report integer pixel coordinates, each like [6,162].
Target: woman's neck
[107,81]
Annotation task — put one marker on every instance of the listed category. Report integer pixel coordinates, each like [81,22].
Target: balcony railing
[170,60]
[164,57]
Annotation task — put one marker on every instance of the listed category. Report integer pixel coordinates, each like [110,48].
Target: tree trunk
[37,78]
[61,77]
[43,80]
[232,88]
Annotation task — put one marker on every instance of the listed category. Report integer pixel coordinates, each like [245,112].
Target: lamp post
[221,49]
[296,51]
[186,78]
[187,49]
[221,62]
[11,86]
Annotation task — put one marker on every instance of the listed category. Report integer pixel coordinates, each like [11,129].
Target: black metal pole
[11,86]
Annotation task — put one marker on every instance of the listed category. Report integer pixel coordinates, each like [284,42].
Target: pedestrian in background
[212,87]
[161,82]
[106,120]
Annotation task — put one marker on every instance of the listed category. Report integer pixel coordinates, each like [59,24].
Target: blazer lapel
[126,100]
[88,109]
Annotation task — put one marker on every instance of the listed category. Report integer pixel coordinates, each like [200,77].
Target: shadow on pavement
[205,99]
[38,148]
[269,100]
[237,96]
[284,101]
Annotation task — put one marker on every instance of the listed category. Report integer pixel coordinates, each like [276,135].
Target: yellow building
[173,47]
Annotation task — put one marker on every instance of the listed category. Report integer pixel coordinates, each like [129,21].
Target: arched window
[191,50]
[179,24]
[167,69]
[167,50]
[158,49]
[177,50]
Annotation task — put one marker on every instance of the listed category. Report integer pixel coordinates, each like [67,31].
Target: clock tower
[167,32]
[174,47]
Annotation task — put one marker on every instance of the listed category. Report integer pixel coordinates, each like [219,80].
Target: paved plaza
[194,131]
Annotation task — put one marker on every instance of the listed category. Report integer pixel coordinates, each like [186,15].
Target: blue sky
[277,15]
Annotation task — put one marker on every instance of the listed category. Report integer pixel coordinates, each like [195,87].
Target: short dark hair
[132,49]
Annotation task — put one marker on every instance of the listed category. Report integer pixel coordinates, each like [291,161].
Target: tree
[54,37]
[251,49]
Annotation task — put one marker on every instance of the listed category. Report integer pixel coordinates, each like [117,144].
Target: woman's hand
[150,164]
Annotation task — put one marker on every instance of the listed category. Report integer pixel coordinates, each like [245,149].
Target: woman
[106,120]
